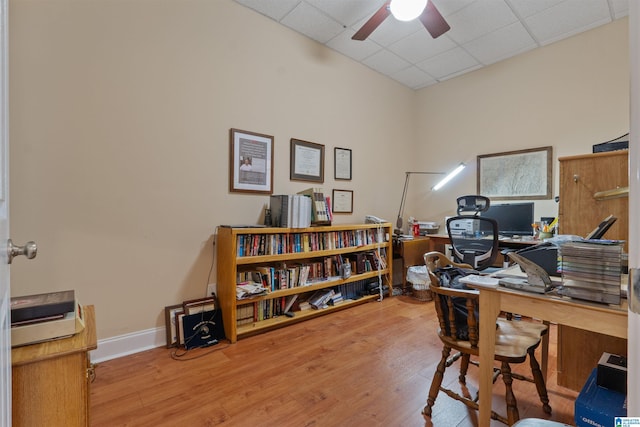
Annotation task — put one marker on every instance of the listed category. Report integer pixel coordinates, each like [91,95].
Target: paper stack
[591,270]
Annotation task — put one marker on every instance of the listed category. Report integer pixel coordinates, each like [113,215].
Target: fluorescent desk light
[449,177]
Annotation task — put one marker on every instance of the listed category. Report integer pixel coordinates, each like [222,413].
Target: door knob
[29,250]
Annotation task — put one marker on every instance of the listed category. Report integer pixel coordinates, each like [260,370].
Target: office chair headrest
[473,204]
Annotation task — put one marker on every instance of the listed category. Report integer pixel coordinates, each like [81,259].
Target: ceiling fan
[427,13]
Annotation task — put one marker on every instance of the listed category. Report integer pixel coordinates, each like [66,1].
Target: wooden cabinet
[583,176]
[411,252]
[579,213]
[50,380]
[241,251]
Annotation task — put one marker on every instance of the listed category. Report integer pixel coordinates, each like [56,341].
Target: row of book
[591,270]
[44,317]
[300,210]
[266,279]
[318,300]
[286,243]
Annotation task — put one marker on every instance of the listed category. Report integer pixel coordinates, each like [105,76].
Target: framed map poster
[516,175]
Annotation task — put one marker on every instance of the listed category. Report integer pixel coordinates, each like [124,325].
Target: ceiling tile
[357,50]
[567,18]
[478,19]
[482,31]
[313,23]
[620,8]
[385,62]
[524,8]
[414,77]
[448,63]
[274,9]
[503,43]
[420,46]
[348,12]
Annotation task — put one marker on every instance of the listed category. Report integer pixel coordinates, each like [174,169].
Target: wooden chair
[514,341]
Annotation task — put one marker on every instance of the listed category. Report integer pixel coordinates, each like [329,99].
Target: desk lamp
[436,187]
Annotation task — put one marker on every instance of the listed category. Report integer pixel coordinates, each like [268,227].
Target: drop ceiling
[482,32]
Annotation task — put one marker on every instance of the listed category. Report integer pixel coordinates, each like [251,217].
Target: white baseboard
[124,345]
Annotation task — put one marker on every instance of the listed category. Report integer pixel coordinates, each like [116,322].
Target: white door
[5,294]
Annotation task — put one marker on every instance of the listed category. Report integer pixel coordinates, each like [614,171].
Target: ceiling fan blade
[372,23]
[433,21]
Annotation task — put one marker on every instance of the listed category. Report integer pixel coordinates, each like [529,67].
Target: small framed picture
[307,161]
[342,164]
[199,305]
[250,162]
[342,201]
[170,324]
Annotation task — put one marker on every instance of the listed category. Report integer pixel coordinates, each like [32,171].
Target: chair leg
[437,381]
[512,404]
[464,367]
[538,379]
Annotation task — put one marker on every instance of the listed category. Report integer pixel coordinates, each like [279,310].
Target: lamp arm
[404,197]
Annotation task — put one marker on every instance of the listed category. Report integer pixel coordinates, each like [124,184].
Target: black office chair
[474,239]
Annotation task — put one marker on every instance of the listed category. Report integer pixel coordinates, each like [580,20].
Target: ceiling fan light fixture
[407,10]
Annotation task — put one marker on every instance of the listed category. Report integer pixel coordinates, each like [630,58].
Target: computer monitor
[514,219]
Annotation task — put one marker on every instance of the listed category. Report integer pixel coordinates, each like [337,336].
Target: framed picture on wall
[307,161]
[250,162]
[516,175]
[342,201]
[342,163]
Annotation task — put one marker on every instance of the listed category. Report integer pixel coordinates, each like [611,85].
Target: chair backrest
[457,309]
[474,238]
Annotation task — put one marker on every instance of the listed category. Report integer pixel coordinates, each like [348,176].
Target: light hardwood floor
[370,365]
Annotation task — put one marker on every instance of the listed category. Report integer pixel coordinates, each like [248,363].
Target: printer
[544,254]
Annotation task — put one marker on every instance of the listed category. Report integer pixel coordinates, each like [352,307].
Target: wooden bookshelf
[241,250]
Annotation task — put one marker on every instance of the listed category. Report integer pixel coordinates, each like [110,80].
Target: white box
[70,324]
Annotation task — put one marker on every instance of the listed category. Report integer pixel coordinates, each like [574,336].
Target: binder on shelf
[281,207]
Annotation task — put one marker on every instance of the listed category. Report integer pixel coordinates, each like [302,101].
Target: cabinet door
[580,178]
[579,213]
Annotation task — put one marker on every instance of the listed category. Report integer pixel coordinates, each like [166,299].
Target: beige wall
[120,118]
[568,95]
[120,114]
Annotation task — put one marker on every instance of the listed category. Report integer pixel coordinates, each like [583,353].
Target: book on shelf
[319,214]
[249,289]
[29,307]
[290,301]
[281,206]
[320,299]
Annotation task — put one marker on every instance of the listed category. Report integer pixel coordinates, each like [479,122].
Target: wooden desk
[605,319]
[51,380]
[438,241]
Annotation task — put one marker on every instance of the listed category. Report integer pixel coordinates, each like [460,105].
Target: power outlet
[211,289]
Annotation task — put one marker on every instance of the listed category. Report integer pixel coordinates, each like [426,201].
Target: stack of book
[44,317]
[591,270]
